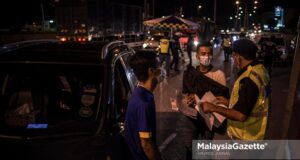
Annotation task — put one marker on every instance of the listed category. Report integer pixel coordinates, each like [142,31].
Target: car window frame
[126,69]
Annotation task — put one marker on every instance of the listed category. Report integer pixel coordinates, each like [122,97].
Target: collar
[253,63]
[143,89]
[209,69]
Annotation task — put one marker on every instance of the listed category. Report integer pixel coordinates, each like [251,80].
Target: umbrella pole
[171,36]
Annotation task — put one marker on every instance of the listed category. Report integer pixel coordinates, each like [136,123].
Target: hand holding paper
[222,100]
[209,101]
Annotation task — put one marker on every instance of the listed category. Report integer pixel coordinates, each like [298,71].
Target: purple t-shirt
[140,117]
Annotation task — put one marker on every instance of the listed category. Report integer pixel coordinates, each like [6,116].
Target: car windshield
[278,41]
[55,98]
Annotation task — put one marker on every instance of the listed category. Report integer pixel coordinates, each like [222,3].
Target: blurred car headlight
[196,43]
[234,38]
[145,45]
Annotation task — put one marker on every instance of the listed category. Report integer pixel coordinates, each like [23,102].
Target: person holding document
[198,81]
[250,97]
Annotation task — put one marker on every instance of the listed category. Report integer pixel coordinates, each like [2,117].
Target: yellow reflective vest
[164,46]
[254,127]
[226,42]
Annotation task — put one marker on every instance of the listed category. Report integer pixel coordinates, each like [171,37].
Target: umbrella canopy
[171,22]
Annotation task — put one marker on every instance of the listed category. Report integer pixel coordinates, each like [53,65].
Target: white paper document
[211,119]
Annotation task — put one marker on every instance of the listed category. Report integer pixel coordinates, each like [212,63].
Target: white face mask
[205,60]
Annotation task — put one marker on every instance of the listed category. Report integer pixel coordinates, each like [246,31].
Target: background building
[98,18]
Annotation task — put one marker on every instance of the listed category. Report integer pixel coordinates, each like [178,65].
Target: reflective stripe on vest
[255,125]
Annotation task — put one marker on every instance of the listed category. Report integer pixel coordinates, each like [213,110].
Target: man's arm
[150,149]
[248,95]
[145,117]
[228,113]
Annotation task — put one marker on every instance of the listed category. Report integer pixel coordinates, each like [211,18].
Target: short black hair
[204,44]
[140,62]
[246,48]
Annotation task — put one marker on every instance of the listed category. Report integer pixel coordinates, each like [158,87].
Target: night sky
[15,12]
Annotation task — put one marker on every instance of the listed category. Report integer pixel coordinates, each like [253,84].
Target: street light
[246,12]
[237,11]
[198,10]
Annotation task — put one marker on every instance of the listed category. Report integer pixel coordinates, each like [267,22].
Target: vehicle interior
[55,99]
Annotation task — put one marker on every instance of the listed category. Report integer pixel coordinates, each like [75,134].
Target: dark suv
[63,100]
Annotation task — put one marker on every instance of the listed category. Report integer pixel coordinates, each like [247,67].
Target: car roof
[54,51]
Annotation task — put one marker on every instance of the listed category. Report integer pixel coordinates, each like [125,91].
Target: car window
[129,71]
[278,41]
[51,97]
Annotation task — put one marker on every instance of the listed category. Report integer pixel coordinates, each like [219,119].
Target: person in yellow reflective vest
[249,102]
[164,55]
[226,44]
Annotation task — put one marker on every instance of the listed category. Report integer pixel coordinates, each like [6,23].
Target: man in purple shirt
[140,122]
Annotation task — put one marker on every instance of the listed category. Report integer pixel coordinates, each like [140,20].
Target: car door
[124,83]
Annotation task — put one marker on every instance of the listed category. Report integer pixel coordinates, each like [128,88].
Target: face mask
[205,60]
[157,78]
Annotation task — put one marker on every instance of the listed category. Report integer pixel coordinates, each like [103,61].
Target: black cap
[246,48]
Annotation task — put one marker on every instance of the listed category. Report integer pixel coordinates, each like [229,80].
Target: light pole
[246,18]
[43,17]
[215,11]
[198,9]
[153,8]
[145,10]
[236,15]
[246,13]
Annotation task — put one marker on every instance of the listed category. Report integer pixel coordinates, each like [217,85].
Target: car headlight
[196,43]
[145,45]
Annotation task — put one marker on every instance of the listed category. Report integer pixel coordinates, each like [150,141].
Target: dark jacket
[195,82]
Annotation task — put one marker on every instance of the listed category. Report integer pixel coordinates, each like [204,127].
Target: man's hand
[196,99]
[150,149]
[188,99]
[222,100]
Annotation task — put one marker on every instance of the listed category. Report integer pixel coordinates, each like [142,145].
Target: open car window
[60,98]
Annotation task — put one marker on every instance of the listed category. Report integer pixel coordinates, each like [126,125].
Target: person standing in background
[164,53]
[175,48]
[189,48]
[226,43]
